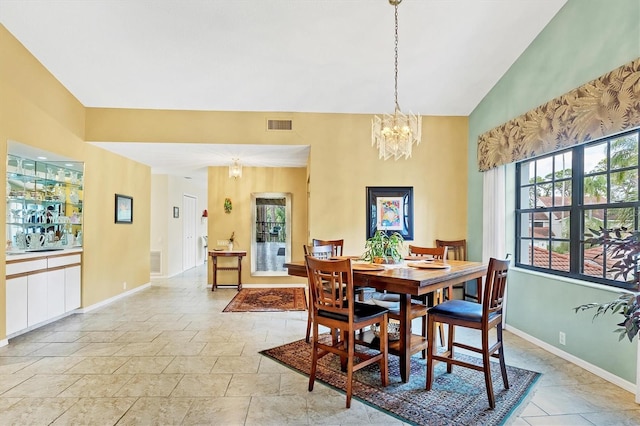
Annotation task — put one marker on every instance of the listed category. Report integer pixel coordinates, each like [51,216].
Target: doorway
[270,233]
[189,241]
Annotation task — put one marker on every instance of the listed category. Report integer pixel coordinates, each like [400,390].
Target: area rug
[459,398]
[268,300]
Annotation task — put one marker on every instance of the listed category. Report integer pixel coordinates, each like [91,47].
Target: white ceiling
[273,55]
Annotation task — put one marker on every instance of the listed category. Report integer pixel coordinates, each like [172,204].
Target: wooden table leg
[239,273]
[405,337]
[215,273]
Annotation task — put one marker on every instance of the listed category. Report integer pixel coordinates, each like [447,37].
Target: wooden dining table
[408,281]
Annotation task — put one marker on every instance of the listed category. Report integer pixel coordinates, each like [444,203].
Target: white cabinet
[16,304]
[72,277]
[55,293]
[36,298]
[41,288]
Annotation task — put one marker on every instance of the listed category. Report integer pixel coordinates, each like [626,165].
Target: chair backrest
[457,248]
[494,287]
[319,252]
[435,252]
[337,245]
[328,280]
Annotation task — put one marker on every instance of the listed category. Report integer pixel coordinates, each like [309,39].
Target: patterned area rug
[268,300]
[455,399]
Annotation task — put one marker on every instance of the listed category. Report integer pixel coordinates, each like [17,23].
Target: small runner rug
[459,398]
[268,300]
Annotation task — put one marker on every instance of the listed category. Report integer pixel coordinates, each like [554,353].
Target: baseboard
[4,342]
[618,381]
[112,299]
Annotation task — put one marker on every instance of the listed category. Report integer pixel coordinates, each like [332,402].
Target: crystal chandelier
[235,169]
[394,135]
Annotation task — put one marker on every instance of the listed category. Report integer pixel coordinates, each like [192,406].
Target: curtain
[601,107]
[493,214]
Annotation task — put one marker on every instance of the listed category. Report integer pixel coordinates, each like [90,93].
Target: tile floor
[168,355]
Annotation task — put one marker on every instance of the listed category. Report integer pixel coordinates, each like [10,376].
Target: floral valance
[602,107]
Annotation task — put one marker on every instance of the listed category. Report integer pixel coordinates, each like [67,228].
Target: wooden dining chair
[420,304]
[319,252]
[337,245]
[457,250]
[336,312]
[480,316]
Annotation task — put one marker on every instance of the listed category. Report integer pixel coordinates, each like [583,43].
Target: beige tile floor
[168,355]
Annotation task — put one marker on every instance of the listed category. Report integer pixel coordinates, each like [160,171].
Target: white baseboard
[618,381]
[113,299]
[4,342]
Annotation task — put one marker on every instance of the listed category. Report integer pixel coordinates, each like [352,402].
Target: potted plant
[623,246]
[384,248]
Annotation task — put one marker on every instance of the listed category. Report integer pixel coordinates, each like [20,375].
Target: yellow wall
[254,179]
[342,163]
[35,109]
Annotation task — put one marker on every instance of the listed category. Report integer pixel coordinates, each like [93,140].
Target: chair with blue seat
[328,280]
[480,316]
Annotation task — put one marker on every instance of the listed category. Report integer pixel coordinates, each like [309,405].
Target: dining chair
[337,245]
[336,312]
[458,251]
[480,316]
[319,252]
[420,304]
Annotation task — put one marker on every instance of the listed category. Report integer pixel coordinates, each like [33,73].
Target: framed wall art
[390,208]
[124,209]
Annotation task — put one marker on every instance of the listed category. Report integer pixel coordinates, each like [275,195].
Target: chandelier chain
[396,59]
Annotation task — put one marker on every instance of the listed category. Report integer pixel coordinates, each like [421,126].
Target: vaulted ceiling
[274,55]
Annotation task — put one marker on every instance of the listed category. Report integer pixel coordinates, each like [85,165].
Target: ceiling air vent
[279,124]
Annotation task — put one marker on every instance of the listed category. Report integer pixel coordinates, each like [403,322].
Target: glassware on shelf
[74,197]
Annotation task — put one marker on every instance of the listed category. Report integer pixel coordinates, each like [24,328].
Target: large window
[565,197]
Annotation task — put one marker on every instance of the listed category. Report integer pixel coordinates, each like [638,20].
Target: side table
[226,253]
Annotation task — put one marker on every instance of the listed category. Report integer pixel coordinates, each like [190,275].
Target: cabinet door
[72,282]
[16,304]
[36,298]
[55,293]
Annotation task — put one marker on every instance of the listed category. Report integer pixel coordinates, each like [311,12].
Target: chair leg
[350,355]
[431,348]
[452,336]
[314,358]
[384,350]
[424,335]
[503,366]
[486,363]
[309,321]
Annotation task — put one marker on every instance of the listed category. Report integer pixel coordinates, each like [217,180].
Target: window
[562,197]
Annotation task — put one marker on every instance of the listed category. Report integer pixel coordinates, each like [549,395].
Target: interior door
[190,240]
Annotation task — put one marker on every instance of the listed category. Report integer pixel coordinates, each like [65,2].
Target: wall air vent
[156,262]
[279,124]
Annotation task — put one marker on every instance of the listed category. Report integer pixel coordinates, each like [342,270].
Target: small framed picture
[176,212]
[124,209]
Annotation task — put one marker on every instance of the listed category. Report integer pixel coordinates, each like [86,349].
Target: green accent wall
[586,39]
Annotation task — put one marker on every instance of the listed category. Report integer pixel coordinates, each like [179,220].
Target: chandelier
[394,135]
[235,169]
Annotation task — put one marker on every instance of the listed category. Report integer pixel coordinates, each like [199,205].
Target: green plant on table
[384,248]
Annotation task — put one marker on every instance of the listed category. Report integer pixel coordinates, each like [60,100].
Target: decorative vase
[230,246]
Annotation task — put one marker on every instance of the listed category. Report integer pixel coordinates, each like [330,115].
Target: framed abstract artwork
[390,208]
